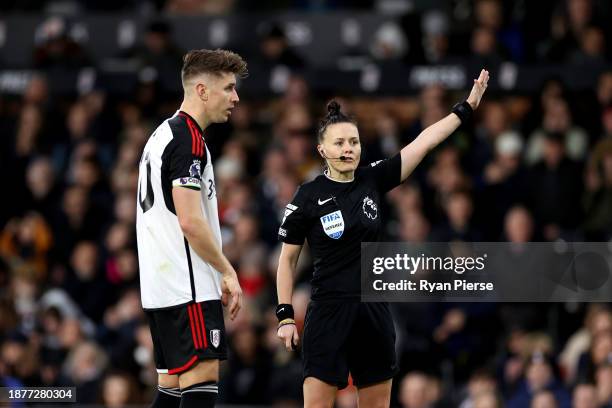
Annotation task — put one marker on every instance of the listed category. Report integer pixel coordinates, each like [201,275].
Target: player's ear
[202,91]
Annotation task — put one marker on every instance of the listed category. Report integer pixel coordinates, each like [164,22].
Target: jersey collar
[326,174]
[180,112]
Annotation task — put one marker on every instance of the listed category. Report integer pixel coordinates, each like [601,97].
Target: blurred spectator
[436,42]
[459,225]
[555,189]
[597,199]
[603,382]
[592,48]
[495,122]
[249,369]
[481,390]
[504,183]
[540,386]
[55,49]
[25,244]
[598,354]
[585,396]
[557,119]
[568,22]
[84,369]
[484,48]
[274,49]
[598,319]
[490,14]
[42,187]
[85,282]
[389,43]
[119,390]
[417,390]
[544,399]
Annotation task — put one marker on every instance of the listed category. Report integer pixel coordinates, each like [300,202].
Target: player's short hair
[334,115]
[215,62]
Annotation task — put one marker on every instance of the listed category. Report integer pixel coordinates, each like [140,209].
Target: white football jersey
[171,272]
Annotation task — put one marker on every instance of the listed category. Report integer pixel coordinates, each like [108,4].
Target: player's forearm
[429,138]
[200,237]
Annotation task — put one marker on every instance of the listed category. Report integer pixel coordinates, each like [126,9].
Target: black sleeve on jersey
[185,160]
[386,173]
[295,220]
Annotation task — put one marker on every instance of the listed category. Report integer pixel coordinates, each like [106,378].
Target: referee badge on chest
[333,224]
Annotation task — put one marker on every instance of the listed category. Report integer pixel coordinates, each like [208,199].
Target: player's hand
[479,88]
[231,288]
[289,336]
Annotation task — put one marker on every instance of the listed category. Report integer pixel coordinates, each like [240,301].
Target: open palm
[479,88]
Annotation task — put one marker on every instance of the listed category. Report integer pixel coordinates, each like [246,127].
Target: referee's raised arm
[413,153]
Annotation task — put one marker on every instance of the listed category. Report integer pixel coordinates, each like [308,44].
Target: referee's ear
[320,150]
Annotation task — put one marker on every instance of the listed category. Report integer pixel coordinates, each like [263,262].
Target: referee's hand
[289,335]
[479,88]
[231,288]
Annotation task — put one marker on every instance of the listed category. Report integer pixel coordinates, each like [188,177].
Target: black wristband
[464,111]
[284,311]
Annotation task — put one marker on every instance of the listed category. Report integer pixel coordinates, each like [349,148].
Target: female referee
[336,212]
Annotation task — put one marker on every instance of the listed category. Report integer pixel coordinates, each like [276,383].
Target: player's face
[342,139]
[222,97]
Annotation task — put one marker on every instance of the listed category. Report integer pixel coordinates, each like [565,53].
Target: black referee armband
[464,111]
[284,311]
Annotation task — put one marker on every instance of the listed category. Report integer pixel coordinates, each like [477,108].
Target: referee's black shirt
[335,217]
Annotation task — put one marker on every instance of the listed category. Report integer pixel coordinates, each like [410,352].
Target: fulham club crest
[215,337]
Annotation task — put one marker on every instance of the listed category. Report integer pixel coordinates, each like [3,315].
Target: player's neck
[195,112]
[342,177]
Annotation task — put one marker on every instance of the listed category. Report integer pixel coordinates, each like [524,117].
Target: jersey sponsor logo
[370,209]
[186,182]
[290,208]
[215,337]
[333,224]
[196,169]
[282,232]
[189,180]
[375,163]
[321,202]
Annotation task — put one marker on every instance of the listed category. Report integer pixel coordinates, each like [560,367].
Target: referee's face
[222,97]
[342,139]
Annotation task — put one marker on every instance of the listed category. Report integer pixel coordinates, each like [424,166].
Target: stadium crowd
[533,167]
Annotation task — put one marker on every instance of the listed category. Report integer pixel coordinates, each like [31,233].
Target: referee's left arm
[413,153]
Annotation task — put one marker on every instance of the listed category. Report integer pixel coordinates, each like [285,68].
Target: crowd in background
[534,167]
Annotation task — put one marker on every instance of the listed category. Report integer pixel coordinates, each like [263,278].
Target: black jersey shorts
[343,337]
[186,334]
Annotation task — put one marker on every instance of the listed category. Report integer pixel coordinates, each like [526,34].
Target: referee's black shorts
[349,337]
[185,334]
